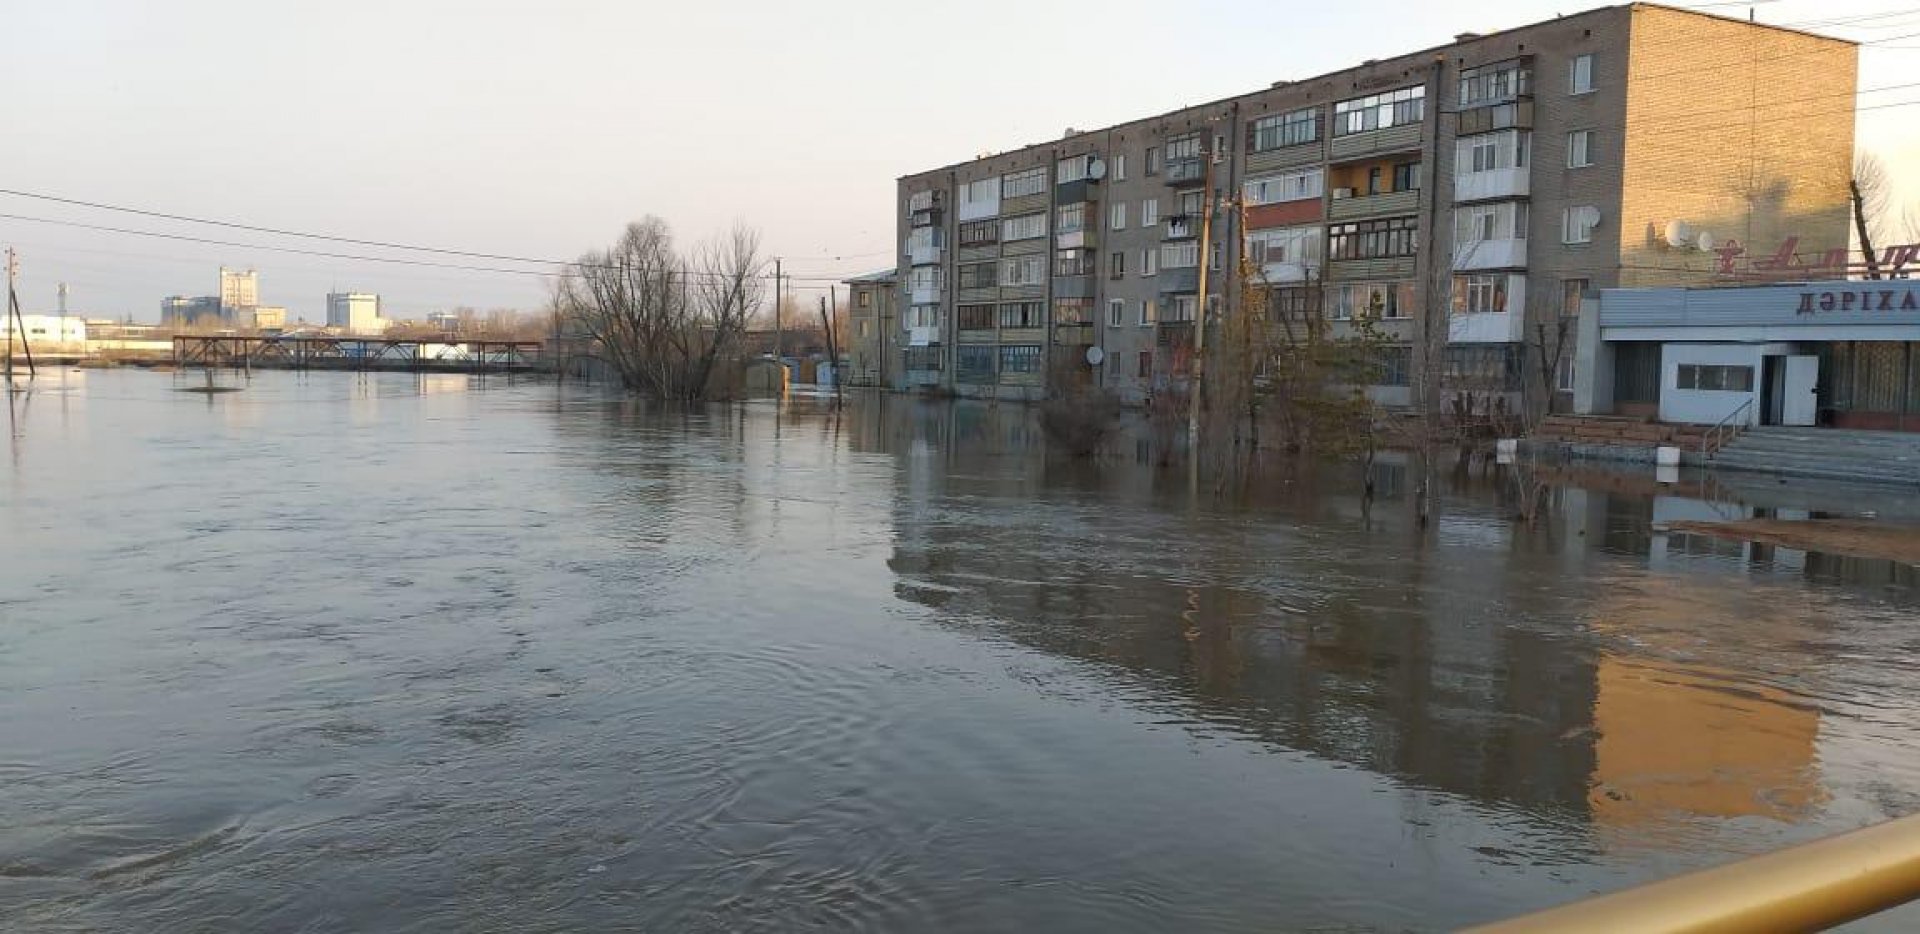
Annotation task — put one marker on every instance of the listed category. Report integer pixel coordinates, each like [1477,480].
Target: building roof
[882,275]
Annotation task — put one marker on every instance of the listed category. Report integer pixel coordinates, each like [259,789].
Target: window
[1185,147]
[923,358]
[1294,303]
[1406,176]
[1380,111]
[923,316]
[922,238]
[980,233]
[1489,153]
[923,278]
[1182,255]
[1153,160]
[1149,262]
[1146,364]
[1579,149]
[1117,264]
[979,275]
[1284,245]
[1119,218]
[973,363]
[1120,167]
[1572,296]
[1485,367]
[865,300]
[1390,237]
[1214,253]
[1396,365]
[1023,270]
[1290,186]
[1116,313]
[1069,218]
[1023,184]
[1073,312]
[1484,154]
[1149,312]
[980,199]
[976,317]
[1183,306]
[1378,300]
[1024,227]
[1563,373]
[1580,74]
[1192,203]
[1489,84]
[1713,378]
[1023,315]
[1020,358]
[1576,224]
[1074,263]
[1149,212]
[1479,294]
[1287,129]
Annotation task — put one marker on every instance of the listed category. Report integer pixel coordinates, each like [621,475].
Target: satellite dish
[1095,356]
[1705,241]
[1097,169]
[1678,233]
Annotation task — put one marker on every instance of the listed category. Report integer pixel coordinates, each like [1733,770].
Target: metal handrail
[1711,442]
[1809,887]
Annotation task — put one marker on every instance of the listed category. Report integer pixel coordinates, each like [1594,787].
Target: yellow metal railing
[1807,888]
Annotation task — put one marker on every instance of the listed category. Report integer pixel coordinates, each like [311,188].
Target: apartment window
[1563,373]
[1023,315]
[1073,312]
[1075,168]
[1580,74]
[1380,111]
[1069,218]
[1215,253]
[980,198]
[1486,367]
[1489,84]
[1120,167]
[973,363]
[1713,378]
[1149,312]
[1149,262]
[1117,264]
[1294,303]
[1379,239]
[1474,295]
[1024,227]
[1020,358]
[1146,364]
[1116,313]
[1579,149]
[1396,365]
[979,275]
[1153,160]
[922,358]
[1406,176]
[1378,300]
[1287,129]
[1289,186]
[980,233]
[1576,224]
[1023,270]
[923,316]
[975,317]
[1182,255]
[1023,184]
[1284,245]
[1149,212]
[1573,294]
[865,300]
[1074,263]
[1119,219]
[1183,308]
[1192,203]
[1185,147]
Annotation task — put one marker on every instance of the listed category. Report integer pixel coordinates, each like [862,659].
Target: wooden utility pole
[778,357]
[15,321]
[833,345]
[1198,383]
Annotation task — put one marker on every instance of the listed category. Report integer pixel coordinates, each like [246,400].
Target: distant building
[180,309]
[261,317]
[355,312]
[238,289]
[47,333]
[872,316]
[444,321]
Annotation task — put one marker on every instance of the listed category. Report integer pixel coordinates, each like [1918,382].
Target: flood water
[394,653]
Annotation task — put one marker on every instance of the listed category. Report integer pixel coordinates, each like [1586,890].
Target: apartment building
[1465,198]
[874,321]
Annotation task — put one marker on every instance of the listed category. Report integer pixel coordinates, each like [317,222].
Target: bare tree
[661,320]
[1872,191]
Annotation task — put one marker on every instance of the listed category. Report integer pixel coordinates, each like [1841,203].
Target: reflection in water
[465,653]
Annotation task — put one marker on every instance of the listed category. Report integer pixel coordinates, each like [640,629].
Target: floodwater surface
[398,653]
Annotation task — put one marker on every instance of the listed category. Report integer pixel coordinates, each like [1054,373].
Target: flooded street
[400,653]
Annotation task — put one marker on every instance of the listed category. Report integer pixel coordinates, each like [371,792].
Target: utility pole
[833,347]
[778,357]
[15,321]
[1200,309]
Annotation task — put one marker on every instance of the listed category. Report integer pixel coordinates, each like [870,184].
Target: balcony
[924,255]
[923,337]
[1082,239]
[1284,273]
[1512,115]
[1185,173]
[1183,227]
[1490,254]
[927,218]
[1073,287]
[1381,205]
[1497,183]
[923,295]
[1178,279]
[1403,138]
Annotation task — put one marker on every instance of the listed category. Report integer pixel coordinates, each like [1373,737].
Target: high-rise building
[238,289]
[1464,198]
[355,312]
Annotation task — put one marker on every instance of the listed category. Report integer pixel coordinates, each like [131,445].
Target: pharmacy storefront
[1842,353]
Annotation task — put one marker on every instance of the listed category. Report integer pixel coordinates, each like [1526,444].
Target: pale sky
[538,128]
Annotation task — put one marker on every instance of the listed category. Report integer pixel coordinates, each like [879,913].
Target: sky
[538,129]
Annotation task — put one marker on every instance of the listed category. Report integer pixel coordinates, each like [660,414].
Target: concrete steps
[1858,456]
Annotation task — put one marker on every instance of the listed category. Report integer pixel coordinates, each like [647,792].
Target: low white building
[355,313]
[64,334]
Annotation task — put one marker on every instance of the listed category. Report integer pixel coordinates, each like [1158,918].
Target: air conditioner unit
[1341,193]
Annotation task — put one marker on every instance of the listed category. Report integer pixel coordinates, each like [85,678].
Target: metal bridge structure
[324,352]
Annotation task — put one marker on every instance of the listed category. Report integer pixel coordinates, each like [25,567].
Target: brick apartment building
[1466,197]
